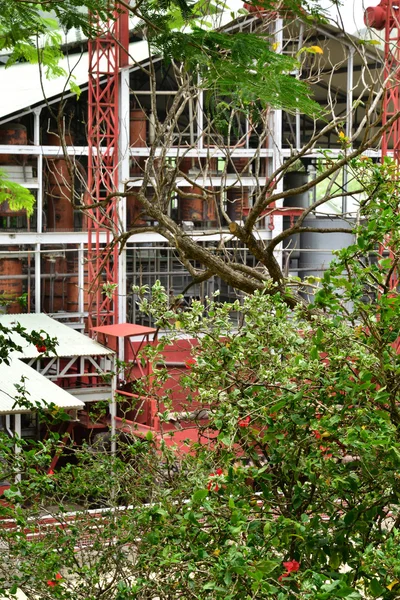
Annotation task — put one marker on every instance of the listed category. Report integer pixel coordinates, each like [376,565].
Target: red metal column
[391,102]
[386,16]
[105,58]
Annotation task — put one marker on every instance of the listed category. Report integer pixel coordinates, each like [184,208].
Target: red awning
[124,330]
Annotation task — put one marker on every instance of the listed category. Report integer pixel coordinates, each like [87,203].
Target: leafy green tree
[294,491]
[31,32]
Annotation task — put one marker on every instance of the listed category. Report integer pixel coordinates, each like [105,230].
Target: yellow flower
[343,138]
[217,552]
[275,46]
[316,50]
[391,585]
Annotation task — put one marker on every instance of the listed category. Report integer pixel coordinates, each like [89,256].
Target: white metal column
[124,162]
[17,436]
[40,194]
[275,143]
[38,287]
[113,408]
[349,119]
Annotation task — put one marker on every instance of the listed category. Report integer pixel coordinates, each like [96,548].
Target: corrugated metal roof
[21,85]
[70,341]
[38,390]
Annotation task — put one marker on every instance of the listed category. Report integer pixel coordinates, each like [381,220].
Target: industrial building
[43,259]
[47,260]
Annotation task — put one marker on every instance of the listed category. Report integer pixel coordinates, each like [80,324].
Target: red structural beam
[386,16]
[107,53]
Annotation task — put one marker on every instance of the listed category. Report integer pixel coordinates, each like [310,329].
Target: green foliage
[241,66]
[310,9]
[17,196]
[295,495]
[24,20]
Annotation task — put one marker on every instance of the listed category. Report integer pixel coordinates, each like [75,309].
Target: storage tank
[12,134]
[311,252]
[291,181]
[137,137]
[135,216]
[237,203]
[137,128]
[191,207]
[210,208]
[11,283]
[60,211]
[11,287]
[239,165]
[322,245]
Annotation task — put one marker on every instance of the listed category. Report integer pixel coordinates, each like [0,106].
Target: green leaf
[199,496]
[376,588]
[276,407]
[268,566]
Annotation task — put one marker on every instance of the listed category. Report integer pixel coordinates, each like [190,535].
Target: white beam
[17,436]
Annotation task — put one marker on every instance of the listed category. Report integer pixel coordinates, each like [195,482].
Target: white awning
[39,391]
[70,341]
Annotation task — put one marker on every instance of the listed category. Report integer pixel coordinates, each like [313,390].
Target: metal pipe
[200,120]
[158,93]
[17,434]
[298,116]
[349,120]
[8,426]
[37,279]
[113,410]
[81,280]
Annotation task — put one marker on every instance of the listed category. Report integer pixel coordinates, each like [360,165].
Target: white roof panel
[70,341]
[38,390]
[21,87]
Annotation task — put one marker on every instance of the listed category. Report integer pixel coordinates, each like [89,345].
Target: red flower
[244,422]
[190,362]
[41,348]
[318,416]
[50,472]
[326,452]
[292,566]
[317,434]
[52,583]
[282,576]
[212,486]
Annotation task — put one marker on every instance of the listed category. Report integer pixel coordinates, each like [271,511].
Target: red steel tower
[386,16]
[107,53]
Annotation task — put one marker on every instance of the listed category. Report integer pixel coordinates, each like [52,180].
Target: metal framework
[386,16]
[391,102]
[105,59]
